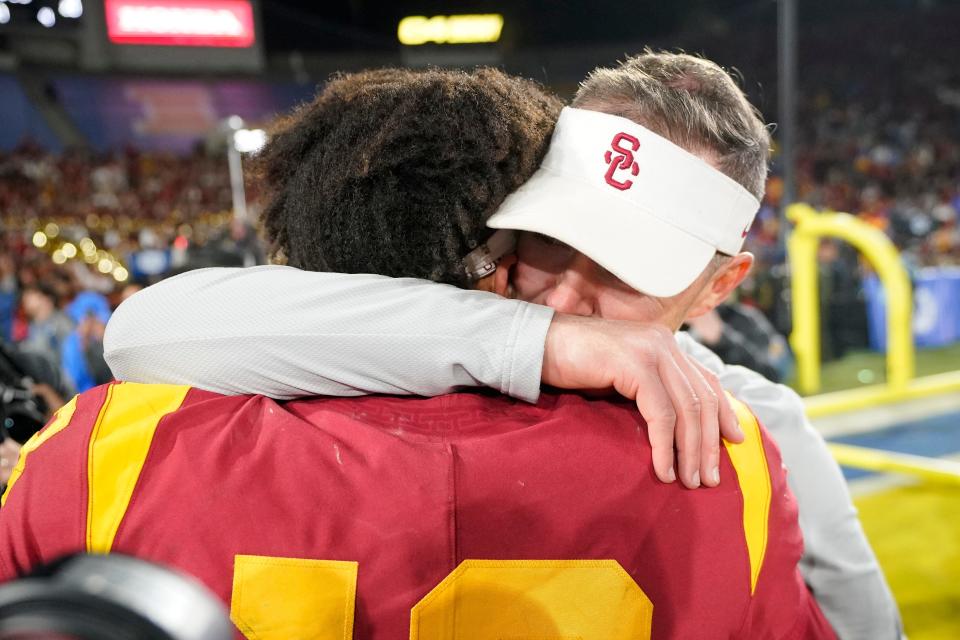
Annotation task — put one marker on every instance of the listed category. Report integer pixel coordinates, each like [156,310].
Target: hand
[681,401]
[9,452]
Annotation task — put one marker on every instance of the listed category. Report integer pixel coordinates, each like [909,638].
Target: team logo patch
[623,145]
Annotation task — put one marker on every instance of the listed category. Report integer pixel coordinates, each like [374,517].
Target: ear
[722,283]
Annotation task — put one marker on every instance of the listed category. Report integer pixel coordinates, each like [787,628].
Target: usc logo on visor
[622,161]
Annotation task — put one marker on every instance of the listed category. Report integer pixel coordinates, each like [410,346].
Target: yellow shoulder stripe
[118,449]
[60,420]
[750,462]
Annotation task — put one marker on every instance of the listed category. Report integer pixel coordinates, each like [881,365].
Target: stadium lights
[249,140]
[86,249]
[70,8]
[46,17]
[465,29]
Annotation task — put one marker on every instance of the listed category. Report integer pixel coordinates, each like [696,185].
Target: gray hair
[690,101]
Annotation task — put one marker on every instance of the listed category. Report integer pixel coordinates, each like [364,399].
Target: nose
[573,290]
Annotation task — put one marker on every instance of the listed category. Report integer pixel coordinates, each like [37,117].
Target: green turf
[861,368]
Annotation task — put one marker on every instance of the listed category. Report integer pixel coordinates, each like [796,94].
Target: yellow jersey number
[293,598]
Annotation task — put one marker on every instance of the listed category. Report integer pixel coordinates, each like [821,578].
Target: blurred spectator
[128,291]
[8,294]
[742,335]
[49,327]
[82,354]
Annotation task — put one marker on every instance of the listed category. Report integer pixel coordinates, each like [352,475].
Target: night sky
[366,24]
[371,24]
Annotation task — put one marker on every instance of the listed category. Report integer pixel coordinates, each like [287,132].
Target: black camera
[110,597]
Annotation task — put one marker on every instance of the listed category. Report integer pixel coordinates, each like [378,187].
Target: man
[741,334]
[323,343]
[549,517]
[82,351]
[49,327]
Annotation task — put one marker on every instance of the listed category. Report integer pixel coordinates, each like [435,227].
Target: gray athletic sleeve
[287,333]
[838,564]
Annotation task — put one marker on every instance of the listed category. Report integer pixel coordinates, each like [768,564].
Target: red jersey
[462,516]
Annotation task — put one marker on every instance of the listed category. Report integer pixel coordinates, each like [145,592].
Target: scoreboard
[213,23]
[173,36]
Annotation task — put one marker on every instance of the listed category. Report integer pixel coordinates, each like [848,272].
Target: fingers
[729,423]
[688,426]
[709,423]
[657,408]
[682,402]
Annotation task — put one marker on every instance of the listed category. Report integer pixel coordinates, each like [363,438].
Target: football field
[914,526]
[915,531]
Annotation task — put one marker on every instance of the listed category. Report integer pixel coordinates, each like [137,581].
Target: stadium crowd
[80,233]
[157,187]
[882,146]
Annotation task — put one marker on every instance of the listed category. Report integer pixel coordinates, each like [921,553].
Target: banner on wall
[936,308]
[168,114]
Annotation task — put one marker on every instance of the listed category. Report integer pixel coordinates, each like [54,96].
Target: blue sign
[149,262]
[936,308]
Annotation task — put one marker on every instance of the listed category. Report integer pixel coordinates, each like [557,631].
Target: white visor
[637,204]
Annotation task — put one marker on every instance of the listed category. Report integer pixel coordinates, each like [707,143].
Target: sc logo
[623,145]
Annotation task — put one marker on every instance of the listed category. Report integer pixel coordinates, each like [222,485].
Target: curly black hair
[395,171]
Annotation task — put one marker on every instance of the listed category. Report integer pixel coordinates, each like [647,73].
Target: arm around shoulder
[288,333]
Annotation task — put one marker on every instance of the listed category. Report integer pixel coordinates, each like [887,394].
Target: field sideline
[914,527]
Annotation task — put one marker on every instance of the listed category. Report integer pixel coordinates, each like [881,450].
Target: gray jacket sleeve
[837,564]
[287,333]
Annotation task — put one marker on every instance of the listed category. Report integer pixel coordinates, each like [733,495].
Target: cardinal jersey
[462,516]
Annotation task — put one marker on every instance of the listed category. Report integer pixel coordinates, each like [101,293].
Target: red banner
[182,23]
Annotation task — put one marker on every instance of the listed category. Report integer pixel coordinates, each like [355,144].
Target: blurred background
[124,125]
